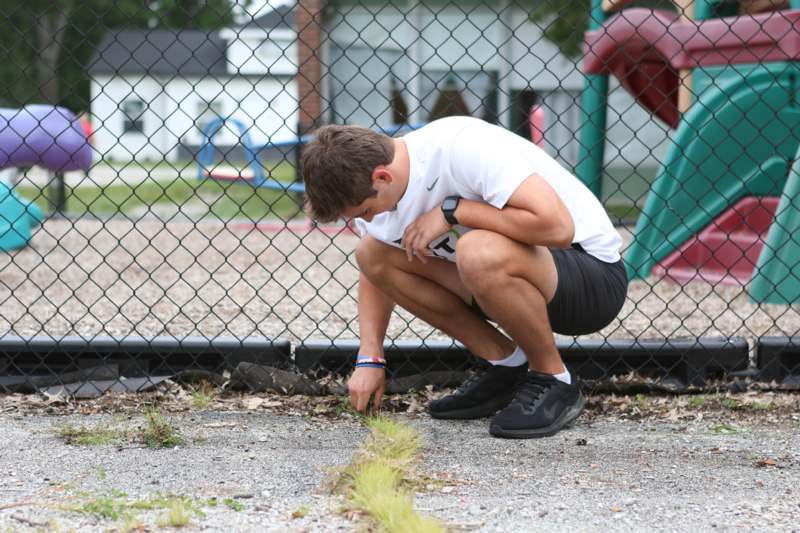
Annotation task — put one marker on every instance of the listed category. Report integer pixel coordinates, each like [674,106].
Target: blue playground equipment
[17,218]
[42,135]
[206,167]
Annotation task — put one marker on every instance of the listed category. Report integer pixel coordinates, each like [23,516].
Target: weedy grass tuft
[91,436]
[202,395]
[177,511]
[391,441]
[159,432]
[377,480]
[737,405]
[235,505]
[300,512]
[697,401]
[724,429]
[178,514]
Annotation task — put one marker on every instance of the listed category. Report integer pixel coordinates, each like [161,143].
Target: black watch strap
[449,206]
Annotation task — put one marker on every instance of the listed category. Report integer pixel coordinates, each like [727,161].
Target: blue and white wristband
[367,361]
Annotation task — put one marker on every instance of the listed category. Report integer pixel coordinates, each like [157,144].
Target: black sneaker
[542,406]
[483,394]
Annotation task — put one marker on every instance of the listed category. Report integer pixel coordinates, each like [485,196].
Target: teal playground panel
[737,140]
[43,135]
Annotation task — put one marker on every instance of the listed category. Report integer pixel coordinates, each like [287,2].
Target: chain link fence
[151,217]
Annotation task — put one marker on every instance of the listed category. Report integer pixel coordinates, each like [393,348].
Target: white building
[152,91]
[490,53]
[381,63]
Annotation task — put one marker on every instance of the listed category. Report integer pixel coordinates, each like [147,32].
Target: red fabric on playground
[645,49]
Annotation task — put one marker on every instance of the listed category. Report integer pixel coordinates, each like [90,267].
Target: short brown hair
[337,168]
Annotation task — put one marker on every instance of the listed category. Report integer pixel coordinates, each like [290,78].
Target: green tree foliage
[563,23]
[46,45]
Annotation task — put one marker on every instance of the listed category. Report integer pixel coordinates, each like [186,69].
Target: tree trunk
[51,26]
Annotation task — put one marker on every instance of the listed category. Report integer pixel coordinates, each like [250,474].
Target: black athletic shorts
[589,295]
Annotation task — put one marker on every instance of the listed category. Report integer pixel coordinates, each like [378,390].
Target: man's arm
[374,311]
[534,214]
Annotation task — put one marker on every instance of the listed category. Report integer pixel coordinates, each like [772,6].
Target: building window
[270,51]
[206,112]
[398,103]
[460,92]
[133,113]
[367,86]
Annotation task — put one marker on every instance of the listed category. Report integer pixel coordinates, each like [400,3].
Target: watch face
[449,204]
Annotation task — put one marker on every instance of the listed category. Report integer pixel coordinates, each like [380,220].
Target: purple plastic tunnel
[43,135]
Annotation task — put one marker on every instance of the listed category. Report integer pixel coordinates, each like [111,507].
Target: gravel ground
[712,463]
[184,278]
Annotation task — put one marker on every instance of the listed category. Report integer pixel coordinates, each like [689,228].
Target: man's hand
[421,232]
[363,384]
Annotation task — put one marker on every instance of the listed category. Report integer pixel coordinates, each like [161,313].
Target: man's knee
[371,257]
[478,258]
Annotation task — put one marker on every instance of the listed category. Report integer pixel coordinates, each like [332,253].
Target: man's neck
[401,165]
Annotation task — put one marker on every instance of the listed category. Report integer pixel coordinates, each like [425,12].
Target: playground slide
[41,135]
[725,149]
[776,278]
[732,148]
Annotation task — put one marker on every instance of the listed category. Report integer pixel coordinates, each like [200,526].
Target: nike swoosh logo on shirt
[433,184]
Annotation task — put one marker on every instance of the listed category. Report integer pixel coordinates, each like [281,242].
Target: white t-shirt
[479,161]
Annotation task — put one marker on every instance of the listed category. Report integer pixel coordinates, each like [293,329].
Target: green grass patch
[111,507]
[641,402]
[202,394]
[232,504]
[622,213]
[300,512]
[91,435]
[380,478]
[724,429]
[627,184]
[178,514]
[159,432]
[736,405]
[131,523]
[196,198]
[731,403]
[116,506]
[392,442]
[697,401]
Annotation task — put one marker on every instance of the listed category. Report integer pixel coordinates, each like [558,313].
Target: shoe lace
[531,389]
[474,377]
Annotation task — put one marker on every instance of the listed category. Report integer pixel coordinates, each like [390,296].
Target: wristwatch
[449,206]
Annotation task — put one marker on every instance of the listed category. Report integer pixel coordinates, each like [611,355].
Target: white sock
[516,358]
[564,377]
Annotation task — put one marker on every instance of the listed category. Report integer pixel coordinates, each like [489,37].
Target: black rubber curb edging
[690,361]
[137,356]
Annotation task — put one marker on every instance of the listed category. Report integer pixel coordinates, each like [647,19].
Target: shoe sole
[560,423]
[472,413]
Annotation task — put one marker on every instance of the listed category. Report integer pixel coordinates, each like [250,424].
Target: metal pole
[594,103]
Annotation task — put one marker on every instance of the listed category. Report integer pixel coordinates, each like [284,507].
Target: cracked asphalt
[629,464]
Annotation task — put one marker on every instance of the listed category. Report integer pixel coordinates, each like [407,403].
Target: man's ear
[382,175]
